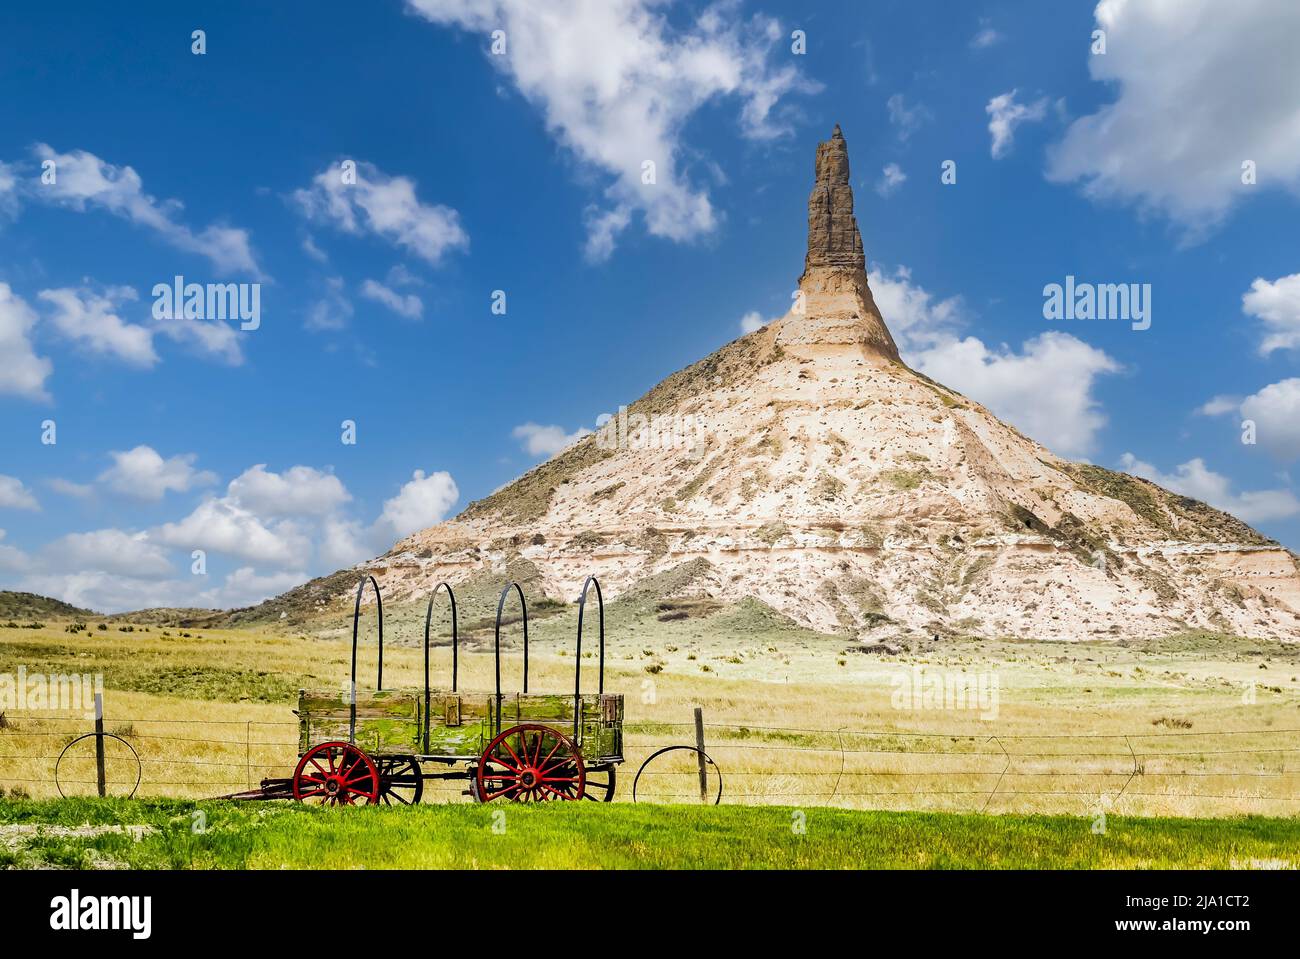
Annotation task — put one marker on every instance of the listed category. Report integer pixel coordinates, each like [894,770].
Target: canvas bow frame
[455,652]
[379,677]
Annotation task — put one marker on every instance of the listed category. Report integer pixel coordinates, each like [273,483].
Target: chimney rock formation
[821,476]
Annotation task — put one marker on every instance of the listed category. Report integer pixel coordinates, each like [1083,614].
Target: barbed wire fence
[1144,772]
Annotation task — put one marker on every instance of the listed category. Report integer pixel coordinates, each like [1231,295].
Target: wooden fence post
[99,744]
[699,745]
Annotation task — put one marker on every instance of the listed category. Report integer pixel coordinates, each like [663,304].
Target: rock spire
[833,237]
[835,307]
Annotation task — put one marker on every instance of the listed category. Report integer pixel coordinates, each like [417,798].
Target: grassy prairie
[1197,725]
[174,834]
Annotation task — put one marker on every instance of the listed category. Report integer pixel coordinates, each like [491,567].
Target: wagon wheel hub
[530,763]
[336,773]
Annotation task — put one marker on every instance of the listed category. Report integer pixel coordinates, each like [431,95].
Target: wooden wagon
[382,745]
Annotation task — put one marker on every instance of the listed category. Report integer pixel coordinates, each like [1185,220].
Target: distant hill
[30,606]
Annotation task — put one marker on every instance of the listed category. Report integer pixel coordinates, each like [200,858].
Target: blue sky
[521,171]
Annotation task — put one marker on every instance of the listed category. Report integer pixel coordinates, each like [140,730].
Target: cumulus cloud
[1005,114]
[407,305]
[298,491]
[1046,388]
[274,524]
[1198,481]
[1275,411]
[423,501]
[142,473]
[22,373]
[751,321]
[223,526]
[118,592]
[617,83]
[247,587]
[12,559]
[1175,137]
[84,181]
[539,440]
[92,321]
[1276,304]
[343,543]
[891,178]
[110,551]
[383,206]
[14,495]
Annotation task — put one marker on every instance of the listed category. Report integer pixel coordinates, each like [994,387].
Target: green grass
[262,835]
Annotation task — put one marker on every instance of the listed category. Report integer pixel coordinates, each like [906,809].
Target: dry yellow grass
[1075,729]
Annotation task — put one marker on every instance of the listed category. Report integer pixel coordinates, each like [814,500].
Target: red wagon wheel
[530,763]
[336,774]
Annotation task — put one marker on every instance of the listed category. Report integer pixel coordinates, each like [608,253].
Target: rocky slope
[806,466]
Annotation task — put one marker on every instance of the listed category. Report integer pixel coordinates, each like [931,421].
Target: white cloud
[906,120]
[84,180]
[312,250]
[914,317]
[1277,304]
[1045,389]
[617,83]
[343,543]
[1005,114]
[1175,137]
[891,178]
[92,320]
[986,37]
[751,321]
[1196,480]
[384,206]
[207,337]
[421,502]
[12,559]
[1218,405]
[14,495]
[298,491]
[8,190]
[141,473]
[546,441]
[68,488]
[22,373]
[247,587]
[223,526]
[1275,411]
[332,311]
[112,551]
[408,305]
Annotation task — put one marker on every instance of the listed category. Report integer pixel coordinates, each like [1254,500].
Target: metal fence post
[99,745]
[699,755]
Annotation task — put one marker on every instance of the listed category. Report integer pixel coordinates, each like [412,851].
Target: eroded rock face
[821,475]
[833,237]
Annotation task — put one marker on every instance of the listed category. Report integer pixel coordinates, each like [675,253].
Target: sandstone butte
[855,496]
